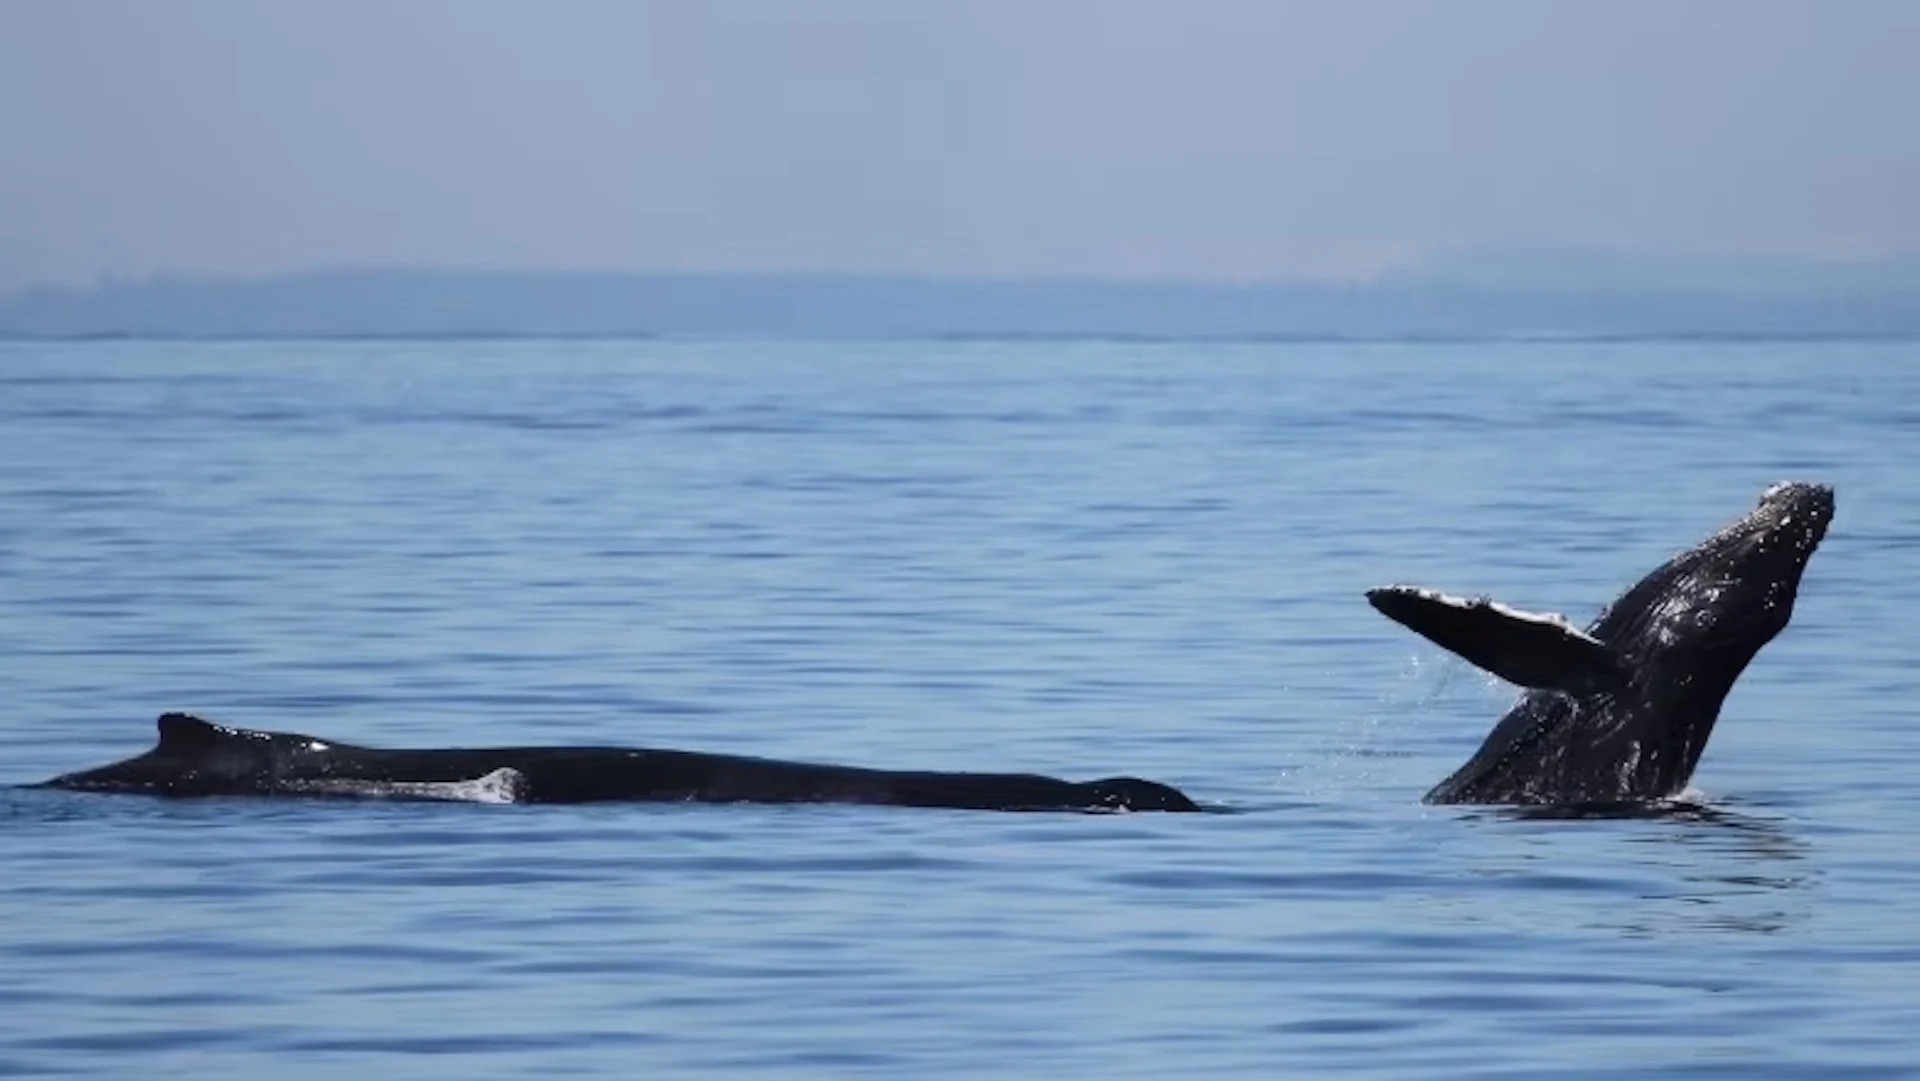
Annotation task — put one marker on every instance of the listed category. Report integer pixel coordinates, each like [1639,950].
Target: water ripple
[1081,558]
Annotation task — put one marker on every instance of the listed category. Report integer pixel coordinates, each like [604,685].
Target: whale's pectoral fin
[1527,648]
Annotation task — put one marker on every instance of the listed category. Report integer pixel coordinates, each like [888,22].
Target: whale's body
[195,757]
[1620,712]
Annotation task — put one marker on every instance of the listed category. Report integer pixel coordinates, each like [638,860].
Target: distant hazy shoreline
[398,304]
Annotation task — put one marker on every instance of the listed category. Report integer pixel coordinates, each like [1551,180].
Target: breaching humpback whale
[1619,712]
[195,757]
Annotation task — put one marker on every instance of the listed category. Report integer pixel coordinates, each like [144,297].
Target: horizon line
[1455,270]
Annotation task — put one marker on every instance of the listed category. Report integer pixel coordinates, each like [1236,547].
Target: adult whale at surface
[195,757]
[1619,713]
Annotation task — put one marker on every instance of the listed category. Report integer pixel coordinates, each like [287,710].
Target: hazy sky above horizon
[1207,138]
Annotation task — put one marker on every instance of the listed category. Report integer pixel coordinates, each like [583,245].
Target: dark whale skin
[195,757]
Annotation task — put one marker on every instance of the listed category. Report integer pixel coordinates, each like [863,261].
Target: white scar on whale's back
[503,785]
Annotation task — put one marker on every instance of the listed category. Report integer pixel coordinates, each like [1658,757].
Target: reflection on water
[1686,866]
[1740,872]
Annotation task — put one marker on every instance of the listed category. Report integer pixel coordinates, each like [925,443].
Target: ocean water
[1081,558]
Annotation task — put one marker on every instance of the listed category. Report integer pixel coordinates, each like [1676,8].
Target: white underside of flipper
[1552,622]
[1532,649]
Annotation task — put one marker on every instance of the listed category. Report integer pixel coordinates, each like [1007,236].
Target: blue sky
[1236,139]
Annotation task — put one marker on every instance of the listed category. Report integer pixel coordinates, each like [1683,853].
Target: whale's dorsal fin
[185,734]
[1527,648]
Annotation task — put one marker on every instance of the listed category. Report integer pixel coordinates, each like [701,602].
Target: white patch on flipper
[1554,620]
[501,786]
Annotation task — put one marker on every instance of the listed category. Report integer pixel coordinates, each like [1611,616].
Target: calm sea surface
[1079,558]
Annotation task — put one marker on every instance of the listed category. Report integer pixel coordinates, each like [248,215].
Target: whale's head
[1712,607]
[194,757]
[1134,794]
